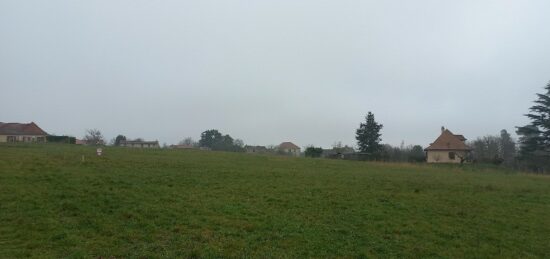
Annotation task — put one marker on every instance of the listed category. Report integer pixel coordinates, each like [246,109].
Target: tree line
[533,153]
[534,138]
[495,149]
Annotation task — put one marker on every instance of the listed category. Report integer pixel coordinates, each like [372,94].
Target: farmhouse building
[289,148]
[448,148]
[21,132]
[139,144]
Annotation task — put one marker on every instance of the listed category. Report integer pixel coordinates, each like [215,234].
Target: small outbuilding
[448,148]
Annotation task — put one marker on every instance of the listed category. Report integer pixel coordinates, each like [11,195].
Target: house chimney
[442,129]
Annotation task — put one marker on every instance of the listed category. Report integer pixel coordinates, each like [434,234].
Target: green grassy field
[175,203]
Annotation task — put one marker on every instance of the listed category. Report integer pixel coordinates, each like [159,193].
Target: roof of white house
[449,141]
[21,129]
[288,145]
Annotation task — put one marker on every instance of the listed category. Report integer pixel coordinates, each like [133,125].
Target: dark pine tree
[535,137]
[368,136]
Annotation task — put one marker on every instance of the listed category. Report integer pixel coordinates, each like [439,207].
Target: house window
[452,155]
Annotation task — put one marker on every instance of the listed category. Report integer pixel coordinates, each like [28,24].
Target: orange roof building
[448,148]
[289,148]
[21,132]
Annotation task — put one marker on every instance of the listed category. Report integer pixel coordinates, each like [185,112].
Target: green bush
[61,139]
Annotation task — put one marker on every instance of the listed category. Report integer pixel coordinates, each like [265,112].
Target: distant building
[340,152]
[448,148]
[80,142]
[256,149]
[21,132]
[139,144]
[289,148]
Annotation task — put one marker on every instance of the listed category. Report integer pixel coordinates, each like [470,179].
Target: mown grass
[175,203]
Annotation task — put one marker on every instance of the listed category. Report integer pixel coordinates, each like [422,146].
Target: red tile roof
[461,137]
[448,141]
[288,145]
[21,129]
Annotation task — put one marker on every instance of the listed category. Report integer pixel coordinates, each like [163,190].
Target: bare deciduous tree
[94,137]
[188,142]
[238,143]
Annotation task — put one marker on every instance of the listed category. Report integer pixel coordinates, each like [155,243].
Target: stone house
[21,132]
[289,148]
[448,148]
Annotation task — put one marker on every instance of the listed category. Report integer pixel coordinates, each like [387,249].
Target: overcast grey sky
[272,71]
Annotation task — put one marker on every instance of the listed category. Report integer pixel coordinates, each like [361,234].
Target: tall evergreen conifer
[535,137]
[368,136]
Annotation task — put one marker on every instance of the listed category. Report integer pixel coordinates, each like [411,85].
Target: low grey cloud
[272,71]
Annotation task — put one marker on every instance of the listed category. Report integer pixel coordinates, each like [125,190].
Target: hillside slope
[175,203]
